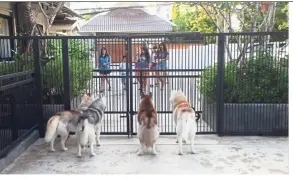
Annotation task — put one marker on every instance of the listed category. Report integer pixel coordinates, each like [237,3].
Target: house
[13,23]
[125,20]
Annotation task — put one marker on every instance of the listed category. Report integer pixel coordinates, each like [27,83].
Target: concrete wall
[248,118]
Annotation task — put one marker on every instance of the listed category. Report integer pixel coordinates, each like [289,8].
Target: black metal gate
[224,76]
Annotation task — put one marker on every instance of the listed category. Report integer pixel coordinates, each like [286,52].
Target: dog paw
[180,153]
[52,150]
[98,144]
[65,149]
[139,154]
[184,141]
[93,154]
[192,152]
[78,155]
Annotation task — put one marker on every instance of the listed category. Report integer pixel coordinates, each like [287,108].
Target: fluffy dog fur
[184,118]
[148,132]
[85,134]
[89,125]
[64,122]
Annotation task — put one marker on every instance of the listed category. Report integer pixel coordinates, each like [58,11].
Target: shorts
[143,73]
[123,80]
[162,65]
[105,72]
[154,66]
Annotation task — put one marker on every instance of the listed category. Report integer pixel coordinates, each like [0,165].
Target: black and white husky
[89,125]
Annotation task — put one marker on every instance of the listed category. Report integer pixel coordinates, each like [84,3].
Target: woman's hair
[146,51]
[164,46]
[155,47]
[104,48]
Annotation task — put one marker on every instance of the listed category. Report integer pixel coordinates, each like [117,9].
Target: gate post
[220,82]
[39,87]
[129,87]
[66,77]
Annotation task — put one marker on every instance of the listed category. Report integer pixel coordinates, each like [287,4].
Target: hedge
[264,79]
[80,68]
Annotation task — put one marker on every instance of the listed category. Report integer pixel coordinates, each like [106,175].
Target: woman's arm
[167,56]
[97,62]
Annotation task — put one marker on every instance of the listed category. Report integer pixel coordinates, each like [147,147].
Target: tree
[87,16]
[193,20]
[252,17]
[49,17]
[27,21]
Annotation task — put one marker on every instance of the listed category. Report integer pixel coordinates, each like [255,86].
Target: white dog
[89,125]
[64,122]
[184,118]
[86,134]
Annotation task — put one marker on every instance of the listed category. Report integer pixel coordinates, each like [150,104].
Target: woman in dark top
[143,60]
[163,57]
[104,67]
[154,66]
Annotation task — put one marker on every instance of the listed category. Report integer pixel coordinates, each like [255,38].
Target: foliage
[22,62]
[203,22]
[80,67]
[193,20]
[281,18]
[87,17]
[264,80]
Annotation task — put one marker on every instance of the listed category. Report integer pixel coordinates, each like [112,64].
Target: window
[5,49]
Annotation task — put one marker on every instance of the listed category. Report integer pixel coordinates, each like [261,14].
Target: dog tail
[151,121]
[148,136]
[186,118]
[52,126]
[82,127]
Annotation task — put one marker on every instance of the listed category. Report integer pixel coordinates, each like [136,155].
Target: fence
[19,112]
[237,83]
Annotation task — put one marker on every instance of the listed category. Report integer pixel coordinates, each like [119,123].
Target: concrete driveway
[117,155]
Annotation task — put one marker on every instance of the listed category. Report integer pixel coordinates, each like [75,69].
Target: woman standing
[104,66]
[143,63]
[163,57]
[154,66]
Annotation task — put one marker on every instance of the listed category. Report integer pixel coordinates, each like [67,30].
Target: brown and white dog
[184,118]
[148,131]
[64,122]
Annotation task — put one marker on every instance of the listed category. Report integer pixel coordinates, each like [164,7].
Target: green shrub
[21,62]
[80,68]
[262,80]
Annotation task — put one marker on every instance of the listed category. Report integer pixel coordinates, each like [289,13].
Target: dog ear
[151,94]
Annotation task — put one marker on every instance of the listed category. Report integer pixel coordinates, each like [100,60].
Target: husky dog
[184,118]
[64,122]
[148,131]
[89,125]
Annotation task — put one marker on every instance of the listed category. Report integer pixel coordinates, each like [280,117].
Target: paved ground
[117,155]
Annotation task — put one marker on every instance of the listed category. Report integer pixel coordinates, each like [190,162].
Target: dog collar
[183,104]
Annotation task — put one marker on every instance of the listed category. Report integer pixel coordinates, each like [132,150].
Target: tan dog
[64,122]
[184,118]
[148,131]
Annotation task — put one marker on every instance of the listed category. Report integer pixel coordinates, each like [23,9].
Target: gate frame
[129,77]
